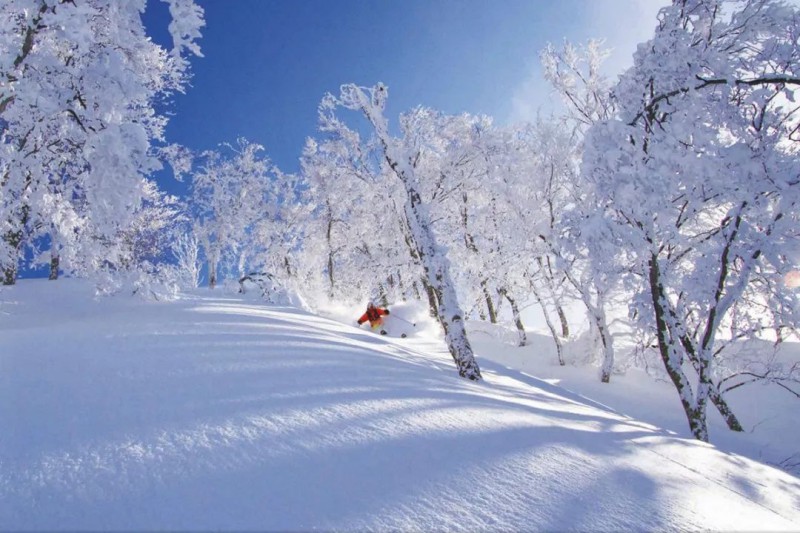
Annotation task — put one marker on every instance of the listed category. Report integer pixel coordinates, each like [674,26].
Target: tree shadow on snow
[291,430]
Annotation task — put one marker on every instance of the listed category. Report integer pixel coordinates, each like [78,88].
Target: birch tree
[575,74]
[370,102]
[698,175]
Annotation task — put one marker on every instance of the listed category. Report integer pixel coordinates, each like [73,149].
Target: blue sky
[268,63]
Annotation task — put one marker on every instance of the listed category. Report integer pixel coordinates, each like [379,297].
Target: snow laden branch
[787,379]
[651,109]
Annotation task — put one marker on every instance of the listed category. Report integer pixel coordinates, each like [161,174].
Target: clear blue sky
[268,63]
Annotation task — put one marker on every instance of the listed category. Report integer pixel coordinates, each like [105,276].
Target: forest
[664,202]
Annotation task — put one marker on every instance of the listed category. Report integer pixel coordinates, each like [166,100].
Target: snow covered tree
[141,255]
[452,170]
[484,213]
[278,231]
[78,85]
[697,178]
[230,194]
[546,164]
[186,249]
[352,232]
[575,73]
[417,219]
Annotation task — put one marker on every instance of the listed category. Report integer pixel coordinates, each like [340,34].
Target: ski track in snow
[213,413]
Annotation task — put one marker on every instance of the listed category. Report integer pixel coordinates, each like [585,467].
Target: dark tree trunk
[415,288]
[550,284]
[382,297]
[469,242]
[551,327]
[10,269]
[9,274]
[608,361]
[523,337]
[430,293]
[329,237]
[672,361]
[433,299]
[331,284]
[489,303]
[724,409]
[54,260]
[563,318]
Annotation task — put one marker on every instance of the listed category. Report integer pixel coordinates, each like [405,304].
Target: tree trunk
[9,274]
[711,388]
[329,237]
[331,291]
[15,239]
[400,285]
[54,260]
[523,337]
[725,410]
[563,318]
[551,327]
[440,286]
[546,268]
[598,314]
[469,242]
[671,355]
[433,300]
[608,348]
[212,274]
[415,288]
[437,281]
[430,293]
[382,296]
[10,269]
[714,393]
[489,304]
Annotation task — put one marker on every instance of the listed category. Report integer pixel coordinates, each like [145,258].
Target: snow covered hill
[214,412]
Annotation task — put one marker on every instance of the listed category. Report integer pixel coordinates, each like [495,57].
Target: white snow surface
[214,412]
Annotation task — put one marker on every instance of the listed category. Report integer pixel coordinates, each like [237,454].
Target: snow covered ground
[218,412]
[769,414]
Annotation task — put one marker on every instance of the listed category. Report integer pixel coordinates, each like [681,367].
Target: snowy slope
[217,413]
[769,414]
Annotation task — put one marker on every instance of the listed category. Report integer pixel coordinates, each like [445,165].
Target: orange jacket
[373,314]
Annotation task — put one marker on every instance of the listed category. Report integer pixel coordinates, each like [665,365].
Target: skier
[375,316]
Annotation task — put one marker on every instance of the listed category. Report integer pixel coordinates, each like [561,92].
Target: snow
[219,412]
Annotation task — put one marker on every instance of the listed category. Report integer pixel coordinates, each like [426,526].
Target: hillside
[213,412]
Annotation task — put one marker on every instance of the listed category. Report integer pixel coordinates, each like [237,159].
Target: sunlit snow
[212,412]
